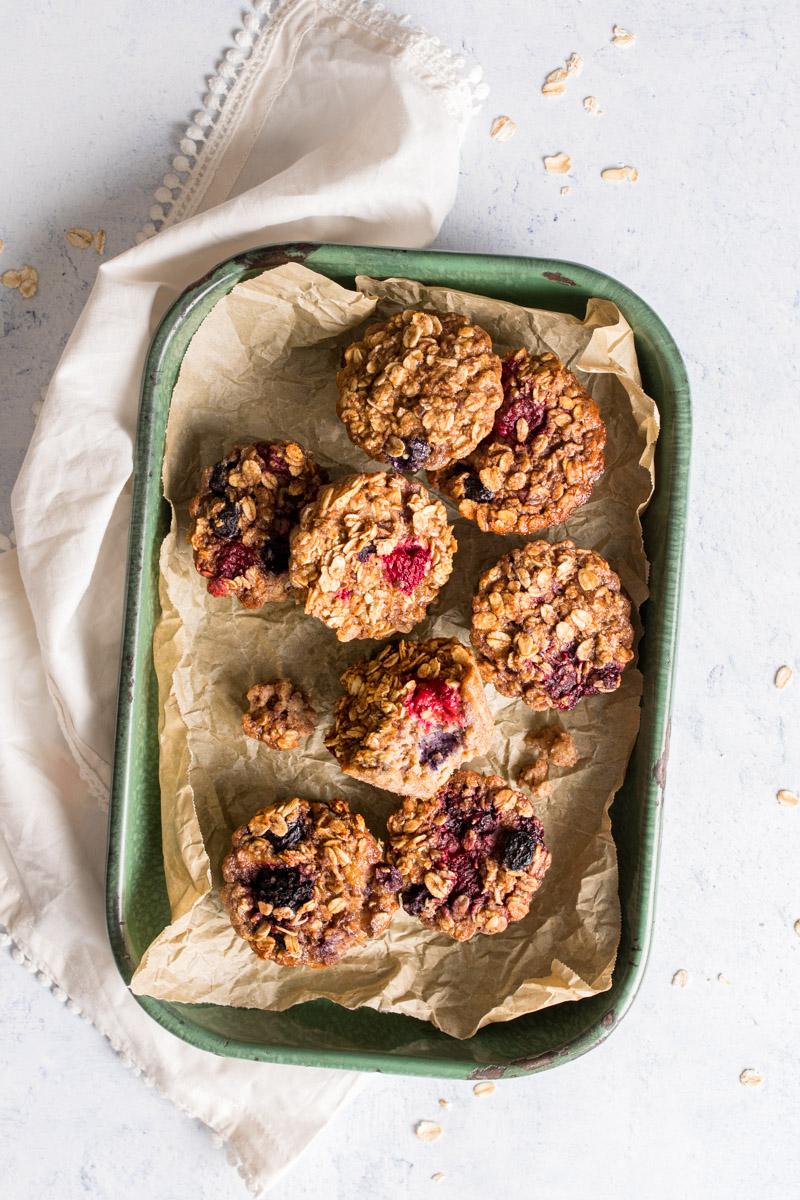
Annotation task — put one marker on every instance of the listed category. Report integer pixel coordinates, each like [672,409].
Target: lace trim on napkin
[182,188]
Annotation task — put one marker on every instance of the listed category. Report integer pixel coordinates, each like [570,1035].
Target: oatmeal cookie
[305,882]
[551,624]
[371,554]
[280,715]
[471,857]
[247,506]
[542,458]
[411,715]
[420,389]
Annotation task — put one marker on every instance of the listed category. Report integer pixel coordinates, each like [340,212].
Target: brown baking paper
[262,365]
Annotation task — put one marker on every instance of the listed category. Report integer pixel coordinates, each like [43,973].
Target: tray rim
[175,1017]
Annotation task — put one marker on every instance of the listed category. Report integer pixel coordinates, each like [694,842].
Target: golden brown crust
[371,554]
[551,624]
[471,857]
[411,715]
[305,882]
[542,458]
[419,389]
[280,715]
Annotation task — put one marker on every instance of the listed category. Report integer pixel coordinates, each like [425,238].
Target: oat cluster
[551,624]
[305,882]
[471,857]
[553,746]
[410,716]
[280,715]
[371,554]
[542,458]
[420,389]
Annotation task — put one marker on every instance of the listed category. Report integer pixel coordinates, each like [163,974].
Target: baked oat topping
[244,513]
[419,389]
[371,554]
[542,458]
[471,857]
[280,715]
[305,882]
[411,715]
[551,624]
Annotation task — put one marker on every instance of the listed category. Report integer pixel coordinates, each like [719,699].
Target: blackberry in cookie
[470,857]
[244,514]
[305,882]
[542,457]
[550,623]
[420,389]
[371,554]
[410,716]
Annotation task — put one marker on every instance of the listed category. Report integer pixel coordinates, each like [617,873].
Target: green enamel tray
[320,1033]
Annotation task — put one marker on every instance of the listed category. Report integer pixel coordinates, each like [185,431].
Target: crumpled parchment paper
[262,365]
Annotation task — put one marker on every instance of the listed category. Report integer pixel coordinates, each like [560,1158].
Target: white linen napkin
[329,120]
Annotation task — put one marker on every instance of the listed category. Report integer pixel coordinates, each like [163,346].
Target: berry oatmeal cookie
[471,857]
[551,624]
[305,882]
[410,716]
[280,715]
[542,458]
[420,389]
[371,554]
[247,506]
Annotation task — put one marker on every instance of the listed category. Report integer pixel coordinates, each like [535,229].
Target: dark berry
[283,887]
[519,850]
[474,489]
[435,701]
[225,523]
[275,555]
[273,458]
[563,681]
[417,451]
[234,560]
[293,836]
[438,746]
[219,476]
[389,878]
[366,552]
[415,898]
[518,403]
[407,566]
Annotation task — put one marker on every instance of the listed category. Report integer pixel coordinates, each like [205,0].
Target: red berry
[436,702]
[233,560]
[406,566]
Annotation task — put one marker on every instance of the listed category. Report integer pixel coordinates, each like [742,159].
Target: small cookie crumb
[750,1078]
[680,978]
[622,37]
[81,239]
[591,105]
[443,1103]
[783,675]
[280,715]
[789,799]
[484,1089]
[428,1131]
[557,164]
[619,175]
[503,129]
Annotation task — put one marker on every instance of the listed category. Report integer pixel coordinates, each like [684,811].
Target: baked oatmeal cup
[471,857]
[550,623]
[371,554]
[542,457]
[420,389]
[305,882]
[247,507]
[410,715]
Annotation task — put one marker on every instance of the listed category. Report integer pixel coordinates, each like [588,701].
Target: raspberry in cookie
[247,506]
[280,715]
[305,882]
[371,554]
[410,716]
[420,389]
[551,624]
[542,457]
[471,857]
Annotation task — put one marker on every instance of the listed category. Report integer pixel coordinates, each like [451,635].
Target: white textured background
[704,105]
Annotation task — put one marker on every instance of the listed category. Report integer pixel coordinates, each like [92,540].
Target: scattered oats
[484,1089]
[557,164]
[783,676]
[574,64]
[81,239]
[2,245]
[100,241]
[5,543]
[750,1078]
[503,129]
[443,1103]
[555,83]
[29,282]
[428,1131]
[680,978]
[796,927]
[437,1176]
[622,37]
[790,799]
[11,279]
[592,106]
[723,979]
[620,174]
[566,189]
